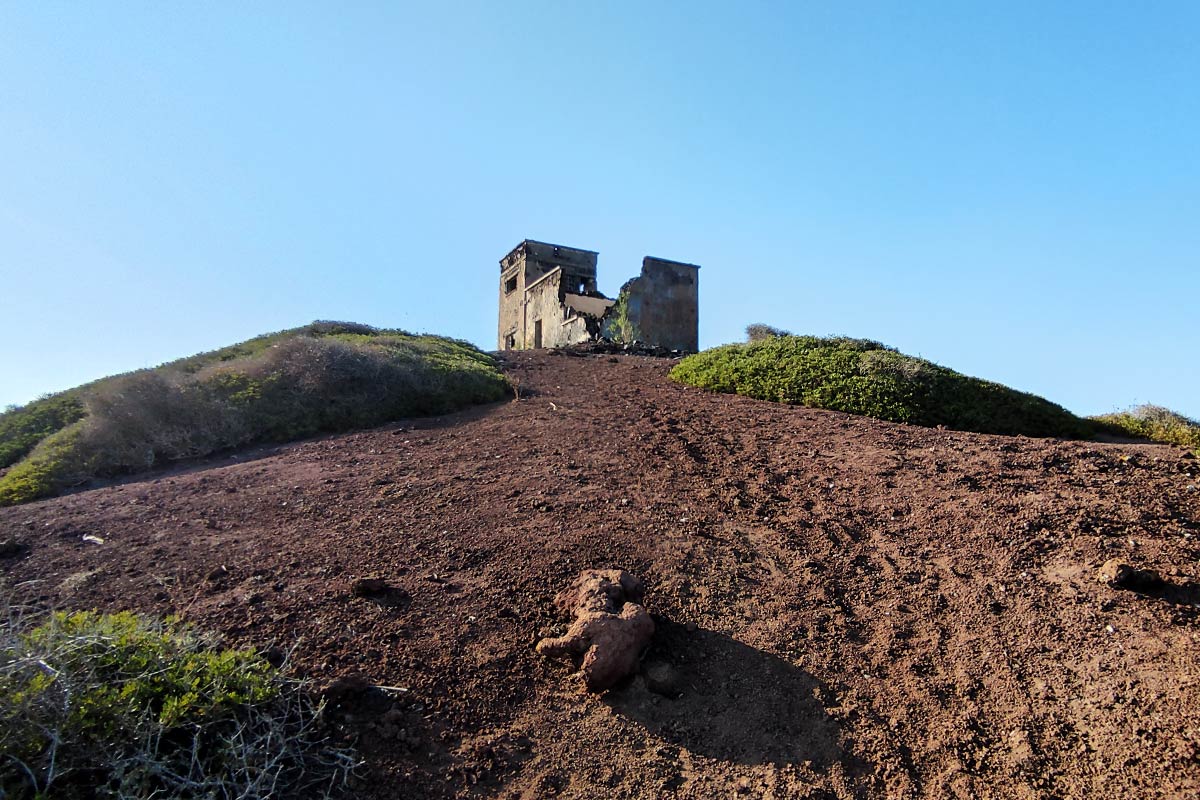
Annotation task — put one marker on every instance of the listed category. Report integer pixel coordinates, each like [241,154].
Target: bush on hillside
[113,705]
[22,427]
[757,331]
[859,376]
[1155,423]
[297,386]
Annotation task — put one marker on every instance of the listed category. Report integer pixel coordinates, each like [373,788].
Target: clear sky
[1009,189]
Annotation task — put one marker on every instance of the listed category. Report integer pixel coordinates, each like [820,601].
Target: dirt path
[849,608]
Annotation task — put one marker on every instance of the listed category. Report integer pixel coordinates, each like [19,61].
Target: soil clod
[610,630]
[1123,576]
[11,548]
[365,587]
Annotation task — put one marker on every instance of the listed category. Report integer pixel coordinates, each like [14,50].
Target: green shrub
[114,705]
[859,376]
[1155,423]
[325,378]
[619,327]
[56,463]
[21,428]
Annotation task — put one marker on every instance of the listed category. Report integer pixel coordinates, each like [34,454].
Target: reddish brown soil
[846,608]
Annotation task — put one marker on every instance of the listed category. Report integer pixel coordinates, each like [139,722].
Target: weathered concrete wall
[512,303]
[664,304]
[536,278]
[578,266]
[522,267]
[546,315]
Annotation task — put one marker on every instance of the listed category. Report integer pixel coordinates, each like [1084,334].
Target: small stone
[1114,573]
[662,678]
[275,656]
[346,688]
[365,587]
[10,548]
[691,627]
[1123,576]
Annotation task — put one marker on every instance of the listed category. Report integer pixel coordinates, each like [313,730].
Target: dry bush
[335,377]
[148,418]
[1156,423]
[757,331]
[114,705]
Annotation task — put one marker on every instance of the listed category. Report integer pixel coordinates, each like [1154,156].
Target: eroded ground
[844,607]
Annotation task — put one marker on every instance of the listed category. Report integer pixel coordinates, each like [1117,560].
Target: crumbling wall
[547,318]
[578,266]
[521,269]
[548,298]
[512,301]
[664,304]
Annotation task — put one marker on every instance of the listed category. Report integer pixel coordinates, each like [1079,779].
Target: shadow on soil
[720,698]
[1184,598]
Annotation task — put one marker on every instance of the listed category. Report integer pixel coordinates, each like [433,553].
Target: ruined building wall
[664,304]
[548,298]
[578,266]
[523,267]
[547,323]
[512,304]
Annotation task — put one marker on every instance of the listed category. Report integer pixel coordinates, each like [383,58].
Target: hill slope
[327,376]
[851,608]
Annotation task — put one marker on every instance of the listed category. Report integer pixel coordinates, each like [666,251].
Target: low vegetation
[325,377]
[859,376]
[23,427]
[619,327]
[115,705]
[1155,423]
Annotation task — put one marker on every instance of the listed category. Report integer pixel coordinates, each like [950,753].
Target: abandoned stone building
[548,298]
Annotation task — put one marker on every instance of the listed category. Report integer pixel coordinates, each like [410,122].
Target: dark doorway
[537,333]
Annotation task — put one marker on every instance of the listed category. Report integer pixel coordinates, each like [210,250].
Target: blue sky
[1009,189]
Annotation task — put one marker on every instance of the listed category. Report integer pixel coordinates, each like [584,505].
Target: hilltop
[322,377]
[846,607]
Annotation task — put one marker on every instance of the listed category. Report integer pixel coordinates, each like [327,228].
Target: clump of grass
[859,376]
[1155,423]
[116,705]
[326,377]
